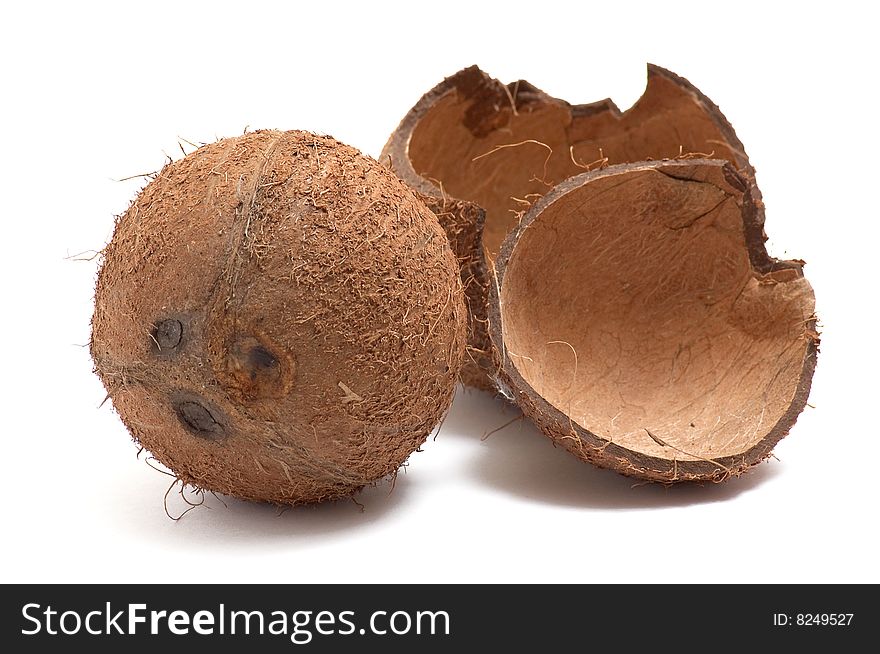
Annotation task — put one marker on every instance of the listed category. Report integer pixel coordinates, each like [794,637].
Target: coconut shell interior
[502,147]
[643,326]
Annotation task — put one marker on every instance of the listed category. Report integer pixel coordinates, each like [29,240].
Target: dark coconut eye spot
[167,334]
[198,419]
[255,371]
[260,358]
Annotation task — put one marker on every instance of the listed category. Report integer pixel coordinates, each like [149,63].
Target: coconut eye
[255,370]
[198,418]
[167,334]
[260,358]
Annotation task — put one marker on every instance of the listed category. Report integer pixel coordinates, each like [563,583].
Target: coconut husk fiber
[279,318]
[482,152]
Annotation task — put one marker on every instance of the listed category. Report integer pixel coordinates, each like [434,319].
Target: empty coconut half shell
[641,324]
[481,153]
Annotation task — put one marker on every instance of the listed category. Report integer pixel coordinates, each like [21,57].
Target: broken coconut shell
[472,139]
[278,318]
[641,324]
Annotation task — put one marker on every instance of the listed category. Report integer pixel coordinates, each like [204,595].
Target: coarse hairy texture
[502,147]
[463,223]
[642,325]
[279,318]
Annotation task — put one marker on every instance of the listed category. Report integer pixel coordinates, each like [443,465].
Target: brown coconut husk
[279,318]
[503,147]
[642,325]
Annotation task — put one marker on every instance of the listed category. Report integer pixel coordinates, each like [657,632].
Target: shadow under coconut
[474,413]
[221,520]
[519,460]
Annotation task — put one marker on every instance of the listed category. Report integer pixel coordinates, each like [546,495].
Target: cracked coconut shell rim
[481,152]
[641,324]
[278,318]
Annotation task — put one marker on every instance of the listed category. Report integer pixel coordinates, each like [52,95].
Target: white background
[92,93]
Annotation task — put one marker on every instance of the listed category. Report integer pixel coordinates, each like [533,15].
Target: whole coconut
[278,318]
